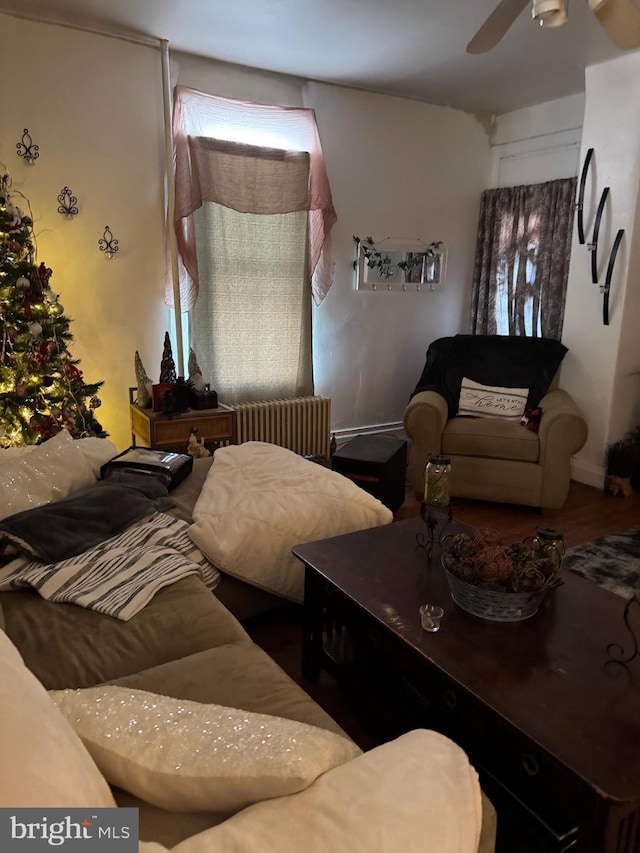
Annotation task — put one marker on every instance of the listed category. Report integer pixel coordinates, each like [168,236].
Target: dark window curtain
[522,260]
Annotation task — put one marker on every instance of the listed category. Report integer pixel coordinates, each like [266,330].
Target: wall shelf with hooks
[399,264]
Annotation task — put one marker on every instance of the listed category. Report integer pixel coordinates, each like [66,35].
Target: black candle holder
[68,202]
[108,244]
[431,515]
[27,149]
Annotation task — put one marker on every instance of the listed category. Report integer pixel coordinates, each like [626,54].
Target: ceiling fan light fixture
[620,19]
[550,13]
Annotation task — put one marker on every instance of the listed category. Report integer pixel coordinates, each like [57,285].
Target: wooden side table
[171,432]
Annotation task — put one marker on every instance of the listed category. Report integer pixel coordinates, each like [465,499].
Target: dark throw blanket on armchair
[507,361]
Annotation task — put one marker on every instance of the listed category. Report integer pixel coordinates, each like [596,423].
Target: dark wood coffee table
[551,724]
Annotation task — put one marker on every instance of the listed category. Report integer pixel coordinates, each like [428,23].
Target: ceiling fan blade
[496,25]
[621,20]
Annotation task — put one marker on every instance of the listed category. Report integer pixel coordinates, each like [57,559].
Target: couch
[494,456]
[186,645]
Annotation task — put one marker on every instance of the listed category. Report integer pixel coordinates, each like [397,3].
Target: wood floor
[588,514]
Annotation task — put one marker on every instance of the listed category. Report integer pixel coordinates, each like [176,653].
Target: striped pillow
[491,401]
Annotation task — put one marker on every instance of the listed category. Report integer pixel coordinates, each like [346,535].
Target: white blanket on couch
[259,500]
[119,576]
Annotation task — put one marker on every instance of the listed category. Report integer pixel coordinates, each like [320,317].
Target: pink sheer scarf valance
[285,174]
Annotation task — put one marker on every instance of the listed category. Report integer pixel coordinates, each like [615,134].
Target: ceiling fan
[620,19]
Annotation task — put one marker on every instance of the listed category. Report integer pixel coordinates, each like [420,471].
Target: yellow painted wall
[94,106]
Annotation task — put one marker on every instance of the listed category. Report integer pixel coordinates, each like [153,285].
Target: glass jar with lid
[550,542]
[436,480]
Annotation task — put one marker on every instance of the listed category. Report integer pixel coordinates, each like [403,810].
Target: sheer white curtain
[251,325]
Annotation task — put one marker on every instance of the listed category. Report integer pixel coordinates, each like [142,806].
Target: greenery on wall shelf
[386,266]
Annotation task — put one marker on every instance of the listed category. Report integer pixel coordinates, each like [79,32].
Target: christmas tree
[42,390]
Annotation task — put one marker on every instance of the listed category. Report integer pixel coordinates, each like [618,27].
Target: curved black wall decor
[607,281]
[579,206]
[593,245]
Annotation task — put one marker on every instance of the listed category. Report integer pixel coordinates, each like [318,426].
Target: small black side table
[376,463]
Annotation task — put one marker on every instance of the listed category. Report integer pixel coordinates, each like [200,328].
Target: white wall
[603,373]
[398,168]
[537,144]
[94,106]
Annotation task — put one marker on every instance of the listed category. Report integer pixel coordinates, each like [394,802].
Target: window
[251,325]
[253,235]
[522,260]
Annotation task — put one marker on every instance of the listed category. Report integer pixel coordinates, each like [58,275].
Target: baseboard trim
[590,475]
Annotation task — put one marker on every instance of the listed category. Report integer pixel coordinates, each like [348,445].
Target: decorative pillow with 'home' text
[491,401]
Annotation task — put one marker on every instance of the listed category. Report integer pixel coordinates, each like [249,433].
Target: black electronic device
[169,468]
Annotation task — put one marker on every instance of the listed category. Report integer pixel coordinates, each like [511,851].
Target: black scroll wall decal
[580,202]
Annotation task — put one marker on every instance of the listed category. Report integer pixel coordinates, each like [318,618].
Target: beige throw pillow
[491,401]
[97,452]
[187,756]
[417,794]
[44,764]
[49,472]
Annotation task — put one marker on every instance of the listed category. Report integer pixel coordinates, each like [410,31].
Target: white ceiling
[413,48]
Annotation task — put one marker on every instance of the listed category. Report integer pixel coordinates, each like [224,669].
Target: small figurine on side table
[196,447]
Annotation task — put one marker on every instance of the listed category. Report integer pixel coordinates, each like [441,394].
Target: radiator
[302,424]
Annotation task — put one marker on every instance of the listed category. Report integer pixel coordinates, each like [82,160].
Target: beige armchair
[491,458]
